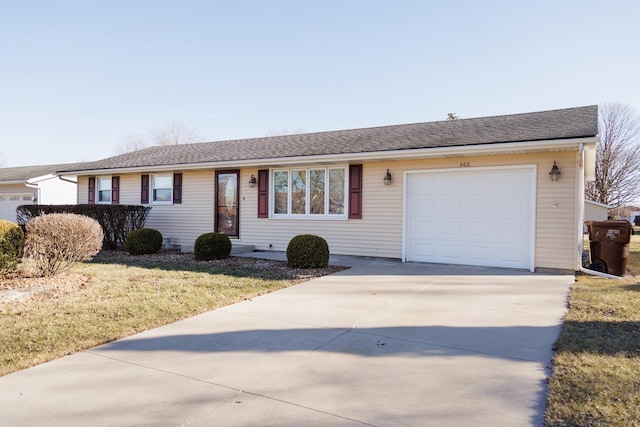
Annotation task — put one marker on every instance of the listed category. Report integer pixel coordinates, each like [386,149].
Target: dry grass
[596,370]
[117,295]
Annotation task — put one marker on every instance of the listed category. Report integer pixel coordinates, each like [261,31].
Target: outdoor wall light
[252,181]
[554,173]
[387,178]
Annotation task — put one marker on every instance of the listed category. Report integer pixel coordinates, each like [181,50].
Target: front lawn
[596,370]
[117,295]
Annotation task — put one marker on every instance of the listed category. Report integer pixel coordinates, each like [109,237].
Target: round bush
[11,246]
[54,242]
[307,251]
[142,241]
[210,246]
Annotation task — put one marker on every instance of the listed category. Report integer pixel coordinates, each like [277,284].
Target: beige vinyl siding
[380,231]
[83,190]
[378,234]
[556,227]
[184,222]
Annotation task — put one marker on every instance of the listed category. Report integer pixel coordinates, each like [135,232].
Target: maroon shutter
[263,193]
[355,191]
[92,190]
[177,188]
[115,190]
[144,189]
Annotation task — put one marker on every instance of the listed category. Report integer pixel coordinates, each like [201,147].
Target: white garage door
[10,202]
[471,216]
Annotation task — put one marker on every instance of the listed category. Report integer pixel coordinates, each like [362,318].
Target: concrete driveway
[380,344]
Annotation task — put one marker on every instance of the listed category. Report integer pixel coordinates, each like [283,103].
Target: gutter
[402,154]
[62,178]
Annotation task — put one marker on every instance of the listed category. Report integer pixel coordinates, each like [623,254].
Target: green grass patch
[596,370]
[121,295]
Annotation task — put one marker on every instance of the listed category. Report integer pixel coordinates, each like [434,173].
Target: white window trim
[97,195]
[152,187]
[308,215]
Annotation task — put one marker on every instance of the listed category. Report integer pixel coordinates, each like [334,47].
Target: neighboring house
[35,185]
[470,191]
[594,211]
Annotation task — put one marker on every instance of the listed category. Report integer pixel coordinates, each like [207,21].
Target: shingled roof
[540,126]
[25,173]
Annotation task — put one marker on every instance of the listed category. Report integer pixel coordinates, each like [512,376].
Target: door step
[238,248]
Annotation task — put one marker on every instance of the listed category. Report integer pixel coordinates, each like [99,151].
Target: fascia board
[421,153]
[40,178]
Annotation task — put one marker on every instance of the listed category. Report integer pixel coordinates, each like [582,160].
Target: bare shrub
[57,241]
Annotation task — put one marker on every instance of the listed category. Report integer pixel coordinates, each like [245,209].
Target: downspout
[580,190]
[581,225]
[599,273]
[35,187]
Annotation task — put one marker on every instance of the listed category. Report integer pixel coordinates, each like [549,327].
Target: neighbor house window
[311,193]
[103,189]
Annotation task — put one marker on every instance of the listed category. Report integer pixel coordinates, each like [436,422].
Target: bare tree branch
[617,180]
[174,133]
[282,132]
[130,142]
[171,133]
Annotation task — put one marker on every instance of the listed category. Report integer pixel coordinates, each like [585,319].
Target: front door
[227,203]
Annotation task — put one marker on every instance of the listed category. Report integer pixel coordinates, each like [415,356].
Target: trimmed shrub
[307,251]
[210,246]
[116,220]
[57,241]
[11,246]
[143,241]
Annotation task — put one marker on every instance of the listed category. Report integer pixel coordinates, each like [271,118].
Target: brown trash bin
[609,246]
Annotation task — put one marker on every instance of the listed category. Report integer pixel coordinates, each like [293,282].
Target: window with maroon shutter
[177,188]
[115,190]
[91,199]
[355,191]
[263,193]
[144,189]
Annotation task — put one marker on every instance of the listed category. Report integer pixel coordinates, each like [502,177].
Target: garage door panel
[477,217]
[479,254]
[424,227]
[480,184]
[9,204]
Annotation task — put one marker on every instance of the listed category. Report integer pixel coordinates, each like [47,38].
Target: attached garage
[472,216]
[10,202]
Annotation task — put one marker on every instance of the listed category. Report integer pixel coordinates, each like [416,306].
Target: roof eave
[437,152]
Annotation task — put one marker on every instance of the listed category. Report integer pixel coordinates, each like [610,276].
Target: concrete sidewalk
[382,343]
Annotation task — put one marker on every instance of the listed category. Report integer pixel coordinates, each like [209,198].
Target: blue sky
[76,76]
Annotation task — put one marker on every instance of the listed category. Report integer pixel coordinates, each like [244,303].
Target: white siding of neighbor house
[55,191]
[595,211]
[380,231]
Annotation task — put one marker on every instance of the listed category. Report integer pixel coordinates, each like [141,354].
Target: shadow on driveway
[515,343]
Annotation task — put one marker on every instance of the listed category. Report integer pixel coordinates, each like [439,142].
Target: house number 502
[465,164]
